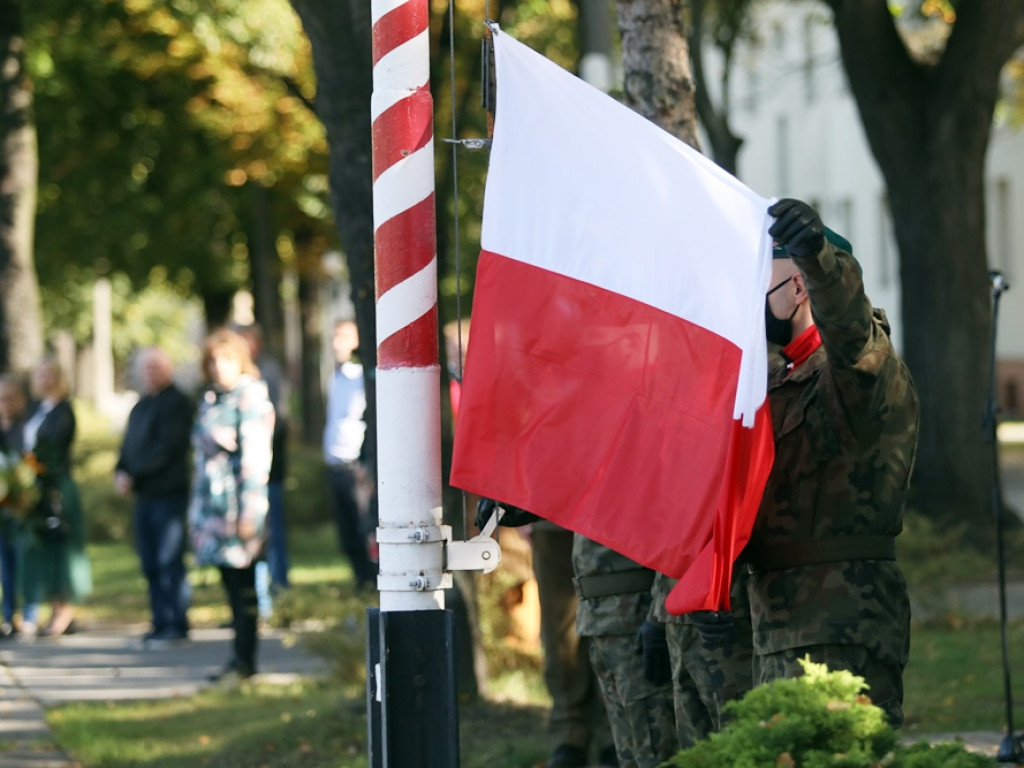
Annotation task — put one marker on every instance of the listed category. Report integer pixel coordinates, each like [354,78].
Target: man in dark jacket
[824,581]
[154,466]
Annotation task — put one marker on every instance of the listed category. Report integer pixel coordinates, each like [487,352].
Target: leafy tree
[20,321]
[156,122]
[927,121]
[160,313]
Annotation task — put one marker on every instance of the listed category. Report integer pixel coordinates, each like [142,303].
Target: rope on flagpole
[456,143]
[453,140]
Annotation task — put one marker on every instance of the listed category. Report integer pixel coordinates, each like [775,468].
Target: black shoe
[608,758]
[233,672]
[567,756]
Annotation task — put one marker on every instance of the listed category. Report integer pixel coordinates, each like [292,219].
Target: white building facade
[803,138]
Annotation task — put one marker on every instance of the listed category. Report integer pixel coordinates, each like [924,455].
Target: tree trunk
[313,397]
[725,145]
[265,268]
[656,65]
[928,127]
[339,33]
[21,327]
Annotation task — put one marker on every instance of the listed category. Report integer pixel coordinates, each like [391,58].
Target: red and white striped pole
[412,712]
[408,374]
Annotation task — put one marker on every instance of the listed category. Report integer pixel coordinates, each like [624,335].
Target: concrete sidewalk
[113,664]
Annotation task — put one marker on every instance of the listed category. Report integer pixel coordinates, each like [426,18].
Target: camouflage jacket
[845,424]
[618,613]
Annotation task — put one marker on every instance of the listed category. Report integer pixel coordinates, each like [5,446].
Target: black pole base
[412,709]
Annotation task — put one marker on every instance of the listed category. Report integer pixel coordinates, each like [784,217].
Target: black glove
[652,643]
[797,228]
[514,517]
[716,628]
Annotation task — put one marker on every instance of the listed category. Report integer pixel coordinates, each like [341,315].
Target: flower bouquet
[19,491]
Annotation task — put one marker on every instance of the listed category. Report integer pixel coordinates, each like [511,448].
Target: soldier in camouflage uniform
[824,579]
[578,719]
[614,598]
[711,656]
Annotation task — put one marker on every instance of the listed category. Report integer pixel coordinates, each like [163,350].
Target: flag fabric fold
[616,373]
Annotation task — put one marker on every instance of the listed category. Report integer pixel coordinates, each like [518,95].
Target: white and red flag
[616,373]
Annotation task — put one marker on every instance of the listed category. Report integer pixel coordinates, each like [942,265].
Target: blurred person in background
[13,412]
[154,467]
[272,573]
[56,566]
[344,437]
[231,441]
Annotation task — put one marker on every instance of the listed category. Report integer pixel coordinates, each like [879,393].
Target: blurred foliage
[156,120]
[157,312]
[153,118]
[935,558]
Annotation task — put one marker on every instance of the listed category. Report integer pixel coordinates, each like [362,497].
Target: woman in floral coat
[231,439]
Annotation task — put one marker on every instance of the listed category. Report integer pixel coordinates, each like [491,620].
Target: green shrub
[820,720]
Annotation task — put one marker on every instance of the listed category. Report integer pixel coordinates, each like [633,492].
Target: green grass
[954,680]
[259,725]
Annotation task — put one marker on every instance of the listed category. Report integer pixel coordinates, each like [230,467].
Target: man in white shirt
[344,433]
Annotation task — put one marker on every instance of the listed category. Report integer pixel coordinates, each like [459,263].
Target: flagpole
[411,706]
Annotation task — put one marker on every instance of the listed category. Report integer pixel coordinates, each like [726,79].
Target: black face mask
[776,330]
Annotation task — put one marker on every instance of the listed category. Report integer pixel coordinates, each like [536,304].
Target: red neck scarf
[800,348]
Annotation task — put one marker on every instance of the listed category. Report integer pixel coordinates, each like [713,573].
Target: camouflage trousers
[712,664]
[641,714]
[884,677]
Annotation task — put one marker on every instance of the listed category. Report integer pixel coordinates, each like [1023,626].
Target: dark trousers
[160,542]
[240,586]
[577,714]
[9,573]
[349,521]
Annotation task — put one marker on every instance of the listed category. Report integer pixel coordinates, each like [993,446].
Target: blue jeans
[277,539]
[160,542]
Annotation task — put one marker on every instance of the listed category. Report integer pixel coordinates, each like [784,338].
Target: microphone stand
[1011,749]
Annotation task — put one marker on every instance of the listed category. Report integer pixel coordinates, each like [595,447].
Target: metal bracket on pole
[480,553]
[426,577]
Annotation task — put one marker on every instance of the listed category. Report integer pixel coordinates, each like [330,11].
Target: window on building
[782,155]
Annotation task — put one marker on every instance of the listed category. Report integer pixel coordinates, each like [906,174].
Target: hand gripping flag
[615,378]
